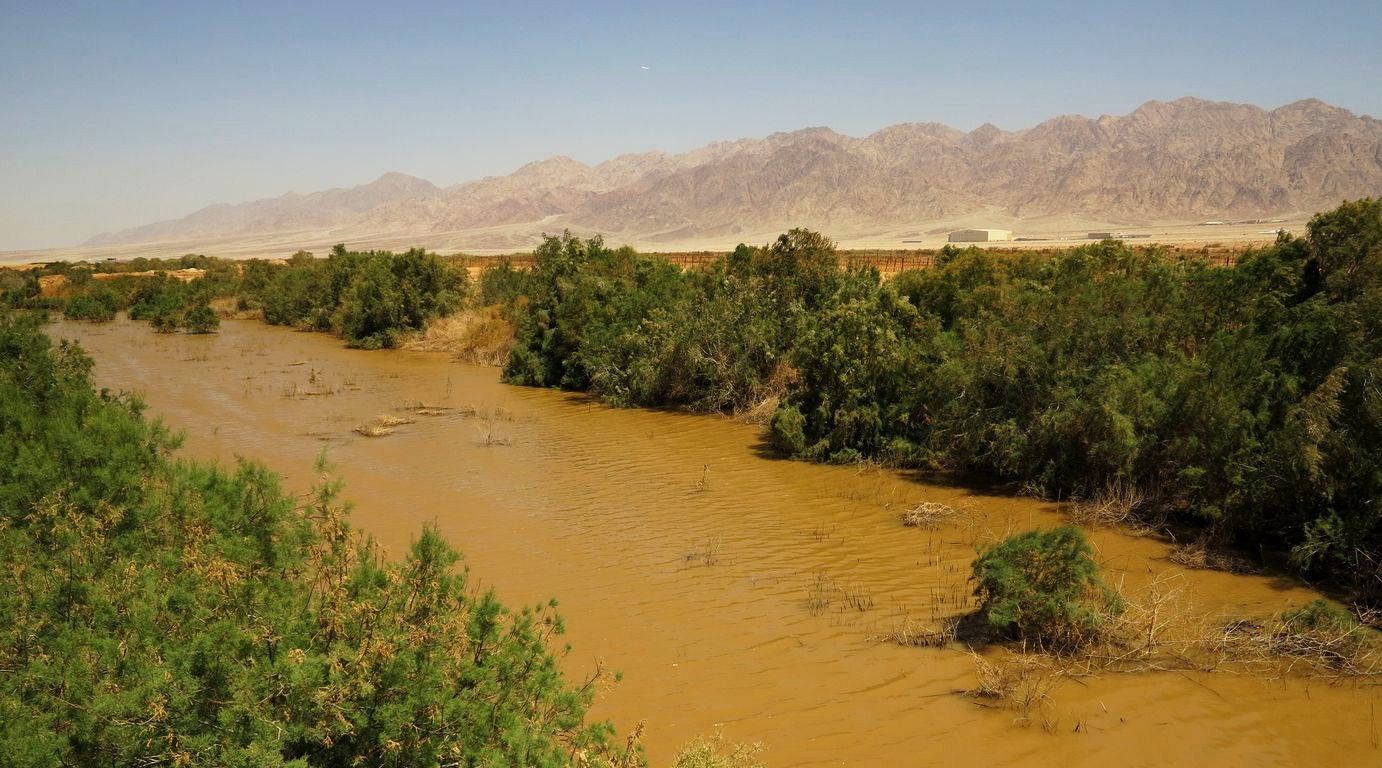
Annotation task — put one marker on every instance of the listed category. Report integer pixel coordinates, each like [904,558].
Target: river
[736,592]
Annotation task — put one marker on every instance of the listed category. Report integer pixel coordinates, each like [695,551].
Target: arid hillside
[1165,163]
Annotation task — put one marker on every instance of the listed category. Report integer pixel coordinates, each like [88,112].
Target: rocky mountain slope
[1180,161]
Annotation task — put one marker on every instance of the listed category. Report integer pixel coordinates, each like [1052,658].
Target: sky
[118,114]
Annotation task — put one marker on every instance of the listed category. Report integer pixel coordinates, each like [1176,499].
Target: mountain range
[1178,161]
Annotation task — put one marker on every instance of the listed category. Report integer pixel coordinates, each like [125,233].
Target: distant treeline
[372,299]
[146,288]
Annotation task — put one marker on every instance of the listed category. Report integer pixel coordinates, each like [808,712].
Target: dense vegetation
[1241,399]
[643,332]
[370,298]
[159,611]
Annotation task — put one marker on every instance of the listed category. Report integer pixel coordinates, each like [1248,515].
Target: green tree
[1346,246]
[572,278]
[371,311]
[639,331]
[861,361]
[1241,399]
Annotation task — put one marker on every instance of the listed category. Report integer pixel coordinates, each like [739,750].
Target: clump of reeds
[489,437]
[820,594]
[857,597]
[704,483]
[825,591]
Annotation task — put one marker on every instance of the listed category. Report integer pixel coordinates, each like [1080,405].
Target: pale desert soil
[1046,232]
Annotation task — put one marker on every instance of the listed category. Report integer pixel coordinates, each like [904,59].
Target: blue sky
[116,114]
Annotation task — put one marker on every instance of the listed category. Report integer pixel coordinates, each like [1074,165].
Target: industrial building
[980,235]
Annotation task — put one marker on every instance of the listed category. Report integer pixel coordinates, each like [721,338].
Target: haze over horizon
[121,116]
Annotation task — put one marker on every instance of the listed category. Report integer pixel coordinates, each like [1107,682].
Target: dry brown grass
[1162,630]
[382,426]
[228,309]
[422,408]
[766,400]
[1276,648]
[911,632]
[1117,504]
[717,752]
[1021,682]
[762,413]
[481,337]
[1201,556]
[930,515]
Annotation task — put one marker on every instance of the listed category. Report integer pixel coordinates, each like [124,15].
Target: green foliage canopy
[159,611]
[371,298]
[639,331]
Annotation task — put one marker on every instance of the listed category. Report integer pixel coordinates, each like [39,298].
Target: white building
[980,235]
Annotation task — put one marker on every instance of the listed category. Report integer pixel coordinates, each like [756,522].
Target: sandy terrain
[1045,233]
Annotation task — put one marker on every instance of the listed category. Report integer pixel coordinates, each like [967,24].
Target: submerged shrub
[201,319]
[786,431]
[96,305]
[1318,616]
[1044,586]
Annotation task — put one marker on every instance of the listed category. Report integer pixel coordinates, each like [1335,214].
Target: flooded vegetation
[736,592]
[915,584]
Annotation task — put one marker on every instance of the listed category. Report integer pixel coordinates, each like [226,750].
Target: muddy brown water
[737,593]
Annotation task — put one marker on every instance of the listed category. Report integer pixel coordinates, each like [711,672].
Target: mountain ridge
[1183,160]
